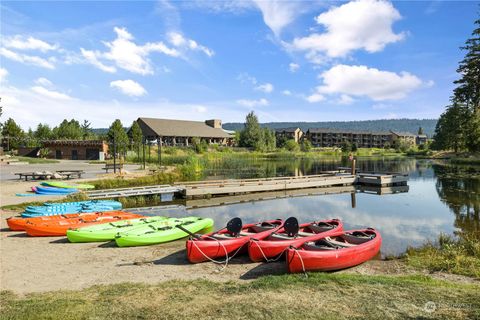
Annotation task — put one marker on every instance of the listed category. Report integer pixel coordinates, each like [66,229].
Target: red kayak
[339,251]
[274,245]
[60,227]
[18,224]
[229,241]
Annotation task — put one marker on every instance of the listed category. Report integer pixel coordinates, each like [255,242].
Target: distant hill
[403,125]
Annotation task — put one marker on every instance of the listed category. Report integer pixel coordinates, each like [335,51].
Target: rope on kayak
[265,257]
[301,260]
[227,258]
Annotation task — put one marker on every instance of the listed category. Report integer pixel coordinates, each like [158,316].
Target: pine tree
[116,133]
[136,136]
[252,135]
[13,133]
[459,126]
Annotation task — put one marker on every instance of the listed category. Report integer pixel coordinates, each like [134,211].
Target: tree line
[458,128]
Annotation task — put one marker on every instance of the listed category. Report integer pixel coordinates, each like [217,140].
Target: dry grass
[325,296]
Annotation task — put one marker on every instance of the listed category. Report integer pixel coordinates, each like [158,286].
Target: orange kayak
[18,224]
[60,227]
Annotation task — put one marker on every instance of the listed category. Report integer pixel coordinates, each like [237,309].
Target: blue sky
[287,61]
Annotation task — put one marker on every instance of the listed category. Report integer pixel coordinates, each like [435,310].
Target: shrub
[291,145]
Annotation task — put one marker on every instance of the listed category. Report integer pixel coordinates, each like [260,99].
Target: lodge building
[181,132]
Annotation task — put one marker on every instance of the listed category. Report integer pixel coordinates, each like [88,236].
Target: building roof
[86,143]
[403,134]
[328,130]
[291,129]
[179,128]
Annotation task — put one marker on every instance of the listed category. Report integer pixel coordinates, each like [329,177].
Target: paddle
[187,231]
[291,226]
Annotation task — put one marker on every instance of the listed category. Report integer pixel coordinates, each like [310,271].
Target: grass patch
[320,296]
[453,255]
[35,160]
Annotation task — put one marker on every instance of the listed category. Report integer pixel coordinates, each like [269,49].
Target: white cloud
[266,87]
[179,41]
[293,67]
[315,98]
[370,82]
[30,43]
[253,103]
[129,87]
[286,92]
[127,55]
[200,109]
[345,99]
[50,93]
[360,24]
[44,82]
[246,78]
[28,59]
[277,14]
[91,57]
[3,74]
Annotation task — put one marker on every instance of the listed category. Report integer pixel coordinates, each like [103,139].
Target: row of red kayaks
[315,246]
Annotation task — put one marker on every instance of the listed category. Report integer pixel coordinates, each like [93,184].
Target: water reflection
[440,199]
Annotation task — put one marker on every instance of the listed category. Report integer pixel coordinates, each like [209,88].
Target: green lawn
[320,296]
[35,160]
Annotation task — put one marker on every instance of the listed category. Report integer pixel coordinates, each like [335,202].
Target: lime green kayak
[60,184]
[108,231]
[160,232]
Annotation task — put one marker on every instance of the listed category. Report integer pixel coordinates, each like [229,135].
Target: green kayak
[108,231]
[64,185]
[159,232]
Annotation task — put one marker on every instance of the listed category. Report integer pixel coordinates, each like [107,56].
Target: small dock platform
[382,179]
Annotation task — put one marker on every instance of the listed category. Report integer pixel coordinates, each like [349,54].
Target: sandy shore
[40,264]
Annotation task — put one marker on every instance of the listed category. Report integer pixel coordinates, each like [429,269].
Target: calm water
[440,198]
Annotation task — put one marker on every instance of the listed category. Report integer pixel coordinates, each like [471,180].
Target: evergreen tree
[68,130]
[136,136]
[43,132]
[86,129]
[13,133]
[270,139]
[117,133]
[458,126]
[252,135]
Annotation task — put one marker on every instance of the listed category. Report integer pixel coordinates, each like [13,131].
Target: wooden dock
[234,186]
[212,188]
[166,192]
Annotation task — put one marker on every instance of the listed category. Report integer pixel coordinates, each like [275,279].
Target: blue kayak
[53,190]
[72,207]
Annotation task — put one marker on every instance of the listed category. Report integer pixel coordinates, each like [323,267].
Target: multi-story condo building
[289,134]
[322,137]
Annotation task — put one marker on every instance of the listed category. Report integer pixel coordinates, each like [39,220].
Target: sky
[198,60]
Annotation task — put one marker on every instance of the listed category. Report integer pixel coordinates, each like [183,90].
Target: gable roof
[291,129]
[179,128]
[328,130]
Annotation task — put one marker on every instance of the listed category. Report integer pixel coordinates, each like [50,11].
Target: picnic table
[69,173]
[111,166]
[34,175]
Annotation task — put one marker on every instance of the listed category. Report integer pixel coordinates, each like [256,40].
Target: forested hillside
[404,125]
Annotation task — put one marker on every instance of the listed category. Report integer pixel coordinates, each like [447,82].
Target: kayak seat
[354,239]
[281,236]
[320,228]
[228,236]
[339,243]
[260,228]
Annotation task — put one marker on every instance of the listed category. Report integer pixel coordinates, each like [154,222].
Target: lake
[440,198]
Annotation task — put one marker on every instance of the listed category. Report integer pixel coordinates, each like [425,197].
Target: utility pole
[159,143]
[144,164]
[114,154]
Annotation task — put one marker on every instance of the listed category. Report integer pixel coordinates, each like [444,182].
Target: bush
[346,146]
[306,146]
[291,145]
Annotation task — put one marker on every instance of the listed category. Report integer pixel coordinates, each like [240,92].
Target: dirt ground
[40,264]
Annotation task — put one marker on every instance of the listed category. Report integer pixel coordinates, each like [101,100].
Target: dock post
[354,164]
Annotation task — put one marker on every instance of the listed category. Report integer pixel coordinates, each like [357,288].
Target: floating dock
[166,192]
[212,188]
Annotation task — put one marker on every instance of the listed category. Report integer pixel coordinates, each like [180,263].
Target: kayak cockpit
[346,240]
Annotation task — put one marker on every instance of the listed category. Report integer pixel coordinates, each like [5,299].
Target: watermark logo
[430,307]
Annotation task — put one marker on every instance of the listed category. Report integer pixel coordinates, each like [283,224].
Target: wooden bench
[111,166]
[69,173]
